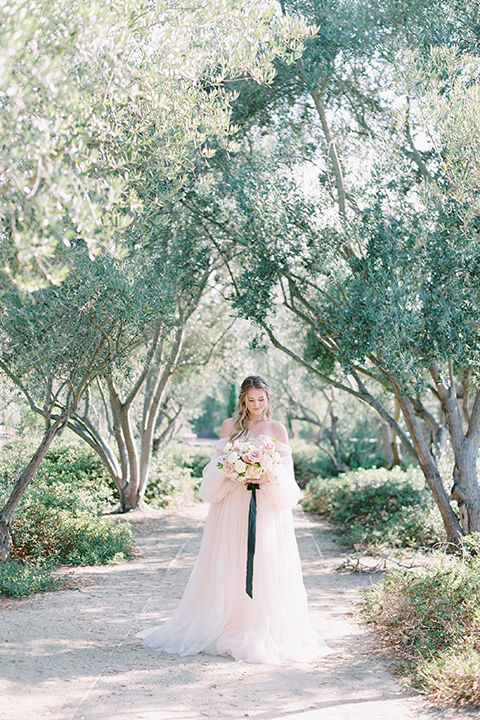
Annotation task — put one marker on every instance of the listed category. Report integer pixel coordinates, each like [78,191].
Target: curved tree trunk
[24,481]
[386,442]
[152,409]
[466,490]
[428,465]
[317,97]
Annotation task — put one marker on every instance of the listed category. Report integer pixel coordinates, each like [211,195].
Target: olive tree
[53,342]
[105,110]
[88,88]
[391,296]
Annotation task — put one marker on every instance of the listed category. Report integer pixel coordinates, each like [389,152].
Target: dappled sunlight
[74,654]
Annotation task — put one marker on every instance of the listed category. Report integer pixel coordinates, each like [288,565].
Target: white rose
[232,458]
[254,471]
[239,466]
[267,464]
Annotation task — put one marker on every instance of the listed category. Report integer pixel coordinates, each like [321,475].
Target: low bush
[431,617]
[59,518]
[24,578]
[176,473]
[309,462]
[169,480]
[378,506]
[66,537]
[70,477]
[193,457]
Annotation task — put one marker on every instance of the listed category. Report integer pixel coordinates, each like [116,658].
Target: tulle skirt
[215,615]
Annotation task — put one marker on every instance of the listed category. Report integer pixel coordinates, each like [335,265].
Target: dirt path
[72,655]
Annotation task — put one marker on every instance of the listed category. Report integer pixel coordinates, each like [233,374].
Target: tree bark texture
[427,463]
[465,445]
[23,482]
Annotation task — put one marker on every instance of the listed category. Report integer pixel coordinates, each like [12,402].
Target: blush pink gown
[215,614]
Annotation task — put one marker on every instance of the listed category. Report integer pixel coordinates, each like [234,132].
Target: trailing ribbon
[252,529]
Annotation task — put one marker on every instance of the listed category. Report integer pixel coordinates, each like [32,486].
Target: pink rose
[269,446]
[254,455]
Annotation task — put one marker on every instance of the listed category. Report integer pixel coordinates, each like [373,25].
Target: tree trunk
[152,408]
[386,442]
[428,464]
[317,97]
[82,427]
[336,457]
[23,482]
[339,465]
[130,470]
[466,490]
[127,448]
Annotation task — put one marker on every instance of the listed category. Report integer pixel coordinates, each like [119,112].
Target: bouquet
[252,461]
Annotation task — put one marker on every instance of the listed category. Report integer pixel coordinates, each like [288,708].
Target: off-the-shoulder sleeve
[285,493]
[215,485]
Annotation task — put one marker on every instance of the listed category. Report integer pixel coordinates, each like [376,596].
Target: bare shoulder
[227,428]
[279,431]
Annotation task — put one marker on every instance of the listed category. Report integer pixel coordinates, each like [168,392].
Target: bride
[216,615]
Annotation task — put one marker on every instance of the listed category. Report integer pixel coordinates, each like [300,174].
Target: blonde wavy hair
[241,415]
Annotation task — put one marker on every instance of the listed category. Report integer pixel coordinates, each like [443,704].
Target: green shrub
[71,538]
[58,520]
[176,473]
[193,457]
[169,479]
[432,617]
[18,579]
[379,506]
[453,677]
[309,462]
[70,477]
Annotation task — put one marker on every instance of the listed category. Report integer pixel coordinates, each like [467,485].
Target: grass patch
[431,618]
[378,507]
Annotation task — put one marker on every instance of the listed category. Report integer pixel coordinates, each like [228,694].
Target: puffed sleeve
[284,493]
[215,485]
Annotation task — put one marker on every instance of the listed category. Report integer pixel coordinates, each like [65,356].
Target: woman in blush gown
[216,615]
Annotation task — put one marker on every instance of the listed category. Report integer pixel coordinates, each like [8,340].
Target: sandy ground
[73,655]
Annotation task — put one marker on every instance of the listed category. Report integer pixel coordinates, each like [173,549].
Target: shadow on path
[73,655]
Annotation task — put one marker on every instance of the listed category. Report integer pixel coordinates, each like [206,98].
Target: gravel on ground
[73,654]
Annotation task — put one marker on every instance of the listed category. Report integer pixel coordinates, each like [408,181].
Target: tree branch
[362,393]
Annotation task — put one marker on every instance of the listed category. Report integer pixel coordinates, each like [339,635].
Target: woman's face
[256,402]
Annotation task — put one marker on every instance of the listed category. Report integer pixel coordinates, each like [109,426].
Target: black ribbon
[252,530]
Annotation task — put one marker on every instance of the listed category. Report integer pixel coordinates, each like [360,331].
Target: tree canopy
[94,93]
